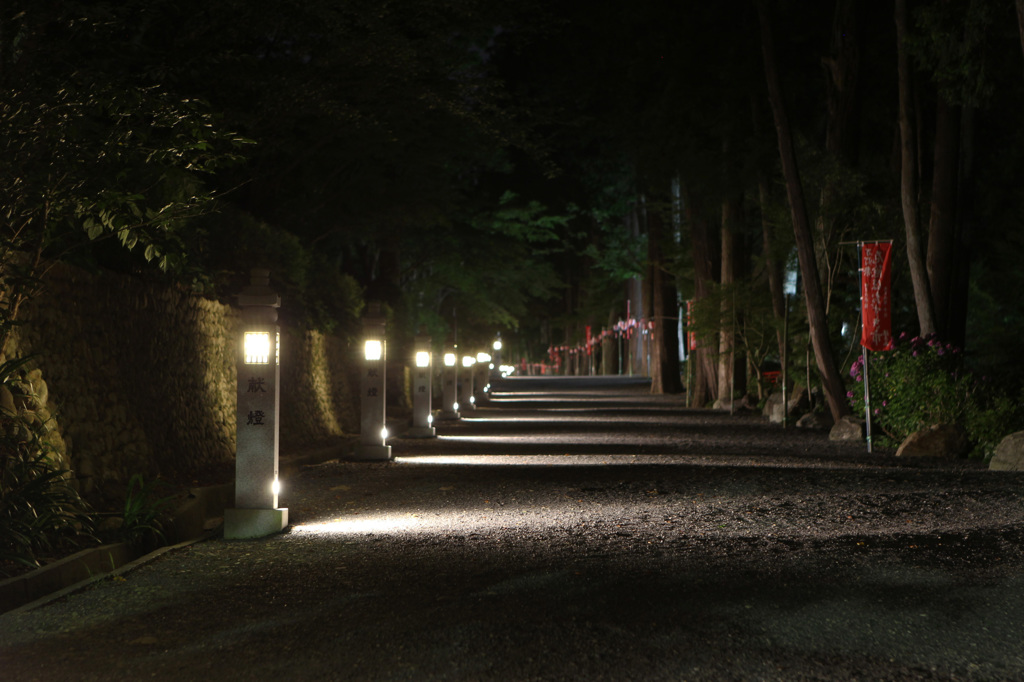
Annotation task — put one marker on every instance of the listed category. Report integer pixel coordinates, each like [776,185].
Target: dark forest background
[528,167]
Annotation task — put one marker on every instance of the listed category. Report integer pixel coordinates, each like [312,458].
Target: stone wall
[142,378]
[319,381]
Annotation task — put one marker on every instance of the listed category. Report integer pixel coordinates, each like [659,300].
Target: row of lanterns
[456,394]
[623,329]
[256,512]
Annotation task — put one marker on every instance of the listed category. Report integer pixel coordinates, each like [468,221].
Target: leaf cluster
[923,382]
[41,513]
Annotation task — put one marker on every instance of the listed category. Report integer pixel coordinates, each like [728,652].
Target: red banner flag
[875,301]
[691,338]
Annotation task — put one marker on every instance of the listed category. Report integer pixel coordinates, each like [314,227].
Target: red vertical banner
[691,338]
[590,340]
[875,298]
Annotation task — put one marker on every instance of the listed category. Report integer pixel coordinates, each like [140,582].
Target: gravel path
[578,530]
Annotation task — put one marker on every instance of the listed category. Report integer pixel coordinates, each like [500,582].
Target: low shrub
[922,382]
[41,514]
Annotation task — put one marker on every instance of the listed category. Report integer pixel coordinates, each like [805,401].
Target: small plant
[922,382]
[143,509]
[41,515]
[989,420]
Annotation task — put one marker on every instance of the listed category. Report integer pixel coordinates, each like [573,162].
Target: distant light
[468,361]
[789,283]
[449,359]
[374,349]
[455,407]
[472,399]
[422,358]
[275,487]
[430,419]
[384,433]
[497,345]
[483,357]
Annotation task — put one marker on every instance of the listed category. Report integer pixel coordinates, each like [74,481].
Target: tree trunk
[773,265]
[705,265]
[832,383]
[842,70]
[908,182]
[964,234]
[664,337]
[726,338]
[610,347]
[635,295]
[728,358]
[1020,22]
[942,221]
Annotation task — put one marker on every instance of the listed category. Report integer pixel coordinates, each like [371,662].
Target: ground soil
[580,531]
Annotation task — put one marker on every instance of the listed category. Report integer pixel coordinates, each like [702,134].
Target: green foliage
[953,41]
[41,514]
[923,382]
[144,509]
[318,294]
[991,418]
[746,309]
[95,161]
[528,221]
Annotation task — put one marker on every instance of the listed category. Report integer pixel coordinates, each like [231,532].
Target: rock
[815,421]
[7,401]
[797,401]
[40,389]
[748,403]
[773,408]
[847,429]
[937,440]
[111,524]
[1009,454]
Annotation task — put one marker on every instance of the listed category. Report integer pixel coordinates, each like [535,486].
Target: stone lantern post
[256,513]
[422,380]
[373,432]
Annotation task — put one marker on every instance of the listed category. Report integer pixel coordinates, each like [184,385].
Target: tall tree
[665,339]
[916,255]
[706,266]
[941,252]
[730,276]
[1020,22]
[832,383]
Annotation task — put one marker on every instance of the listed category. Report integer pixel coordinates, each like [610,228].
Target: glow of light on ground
[518,460]
[360,526]
[581,459]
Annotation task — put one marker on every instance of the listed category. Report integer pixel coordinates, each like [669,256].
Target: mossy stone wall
[142,378]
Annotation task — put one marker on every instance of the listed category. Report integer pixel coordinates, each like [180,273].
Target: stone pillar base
[421,432]
[243,524]
[371,453]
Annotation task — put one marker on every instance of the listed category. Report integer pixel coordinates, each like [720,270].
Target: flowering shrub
[922,382]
